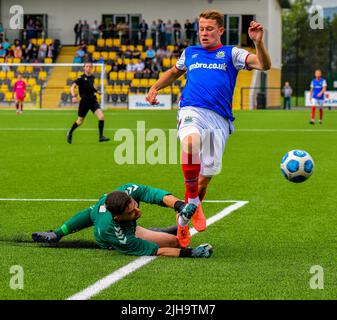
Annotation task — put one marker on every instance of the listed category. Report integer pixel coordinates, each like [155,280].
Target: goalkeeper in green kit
[114,218]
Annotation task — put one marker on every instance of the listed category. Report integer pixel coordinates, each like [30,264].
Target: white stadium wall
[62,15]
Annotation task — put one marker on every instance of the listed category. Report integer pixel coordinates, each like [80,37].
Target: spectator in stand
[136,54]
[83,46]
[85,31]
[103,30]
[147,67]
[30,30]
[153,30]
[18,50]
[176,52]
[130,67]
[139,66]
[161,54]
[94,32]
[80,53]
[38,28]
[195,29]
[161,33]
[156,65]
[111,32]
[143,29]
[42,51]
[3,52]
[177,31]
[128,53]
[78,32]
[150,53]
[121,66]
[2,32]
[188,30]
[6,45]
[169,32]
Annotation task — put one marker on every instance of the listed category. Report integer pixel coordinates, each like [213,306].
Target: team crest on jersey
[195,55]
[188,120]
[220,55]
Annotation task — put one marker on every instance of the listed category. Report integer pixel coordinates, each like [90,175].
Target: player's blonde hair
[213,15]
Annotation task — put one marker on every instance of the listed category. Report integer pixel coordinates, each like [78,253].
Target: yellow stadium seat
[129,75]
[72,76]
[9,96]
[123,48]
[152,82]
[48,60]
[31,82]
[16,60]
[116,42]
[173,61]
[135,83]
[34,41]
[96,55]
[21,69]
[9,60]
[66,89]
[176,90]
[91,49]
[122,75]
[2,60]
[4,88]
[140,48]
[100,43]
[166,62]
[10,75]
[105,55]
[144,82]
[148,42]
[166,90]
[39,41]
[108,43]
[97,82]
[79,74]
[29,69]
[49,41]
[117,89]
[109,90]
[42,75]
[126,61]
[27,97]
[132,47]
[3,75]
[170,47]
[113,75]
[108,68]
[112,55]
[36,88]
[125,89]
[143,56]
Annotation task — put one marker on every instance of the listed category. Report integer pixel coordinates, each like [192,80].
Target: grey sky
[326,3]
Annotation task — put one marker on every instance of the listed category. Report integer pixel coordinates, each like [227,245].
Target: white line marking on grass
[166,129]
[133,266]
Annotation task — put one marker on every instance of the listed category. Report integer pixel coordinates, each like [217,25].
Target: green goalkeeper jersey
[110,234]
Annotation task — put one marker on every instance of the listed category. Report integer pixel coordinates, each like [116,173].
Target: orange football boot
[183,234]
[198,219]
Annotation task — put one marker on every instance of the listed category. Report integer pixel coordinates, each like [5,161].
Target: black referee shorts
[86,105]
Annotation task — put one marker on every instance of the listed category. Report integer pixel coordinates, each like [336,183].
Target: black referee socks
[100,127]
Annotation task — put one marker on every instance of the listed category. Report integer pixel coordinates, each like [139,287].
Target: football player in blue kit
[205,108]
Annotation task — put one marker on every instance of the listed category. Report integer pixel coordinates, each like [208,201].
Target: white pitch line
[86,200]
[167,129]
[133,266]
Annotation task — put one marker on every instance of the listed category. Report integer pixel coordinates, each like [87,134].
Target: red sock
[191,174]
[321,114]
[313,111]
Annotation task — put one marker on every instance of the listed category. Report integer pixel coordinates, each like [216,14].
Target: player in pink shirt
[20,93]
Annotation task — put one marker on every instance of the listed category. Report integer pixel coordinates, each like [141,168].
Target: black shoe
[312,122]
[49,237]
[69,137]
[104,139]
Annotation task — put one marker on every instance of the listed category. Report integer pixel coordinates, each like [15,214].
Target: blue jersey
[317,86]
[211,77]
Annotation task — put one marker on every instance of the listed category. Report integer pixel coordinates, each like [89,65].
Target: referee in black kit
[88,102]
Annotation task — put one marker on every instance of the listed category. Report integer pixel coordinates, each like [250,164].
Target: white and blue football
[297,166]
